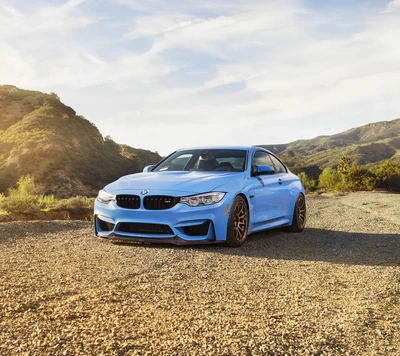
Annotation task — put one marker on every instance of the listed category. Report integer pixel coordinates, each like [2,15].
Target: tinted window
[279,167]
[262,158]
[204,160]
[177,163]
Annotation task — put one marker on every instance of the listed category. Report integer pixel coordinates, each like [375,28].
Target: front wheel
[238,222]
[299,215]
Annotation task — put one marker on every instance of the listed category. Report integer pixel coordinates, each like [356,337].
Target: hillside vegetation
[65,153]
[366,145]
[67,156]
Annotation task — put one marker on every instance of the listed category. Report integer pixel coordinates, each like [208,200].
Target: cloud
[71,4]
[157,25]
[14,65]
[392,6]
[210,71]
[43,51]
[15,23]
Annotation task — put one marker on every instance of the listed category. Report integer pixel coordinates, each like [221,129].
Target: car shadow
[311,245]
[320,245]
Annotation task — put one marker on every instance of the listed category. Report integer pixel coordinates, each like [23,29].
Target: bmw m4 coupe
[202,195]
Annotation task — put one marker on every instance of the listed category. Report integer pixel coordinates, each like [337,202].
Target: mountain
[365,145]
[66,154]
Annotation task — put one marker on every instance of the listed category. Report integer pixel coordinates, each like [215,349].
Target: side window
[262,159]
[279,167]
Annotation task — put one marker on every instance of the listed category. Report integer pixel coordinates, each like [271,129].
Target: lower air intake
[104,225]
[196,230]
[142,228]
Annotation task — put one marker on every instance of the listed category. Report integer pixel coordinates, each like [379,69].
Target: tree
[330,178]
[344,165]
[25,186]
[54,95]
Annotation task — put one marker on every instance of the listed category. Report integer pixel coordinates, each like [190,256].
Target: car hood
[183,182]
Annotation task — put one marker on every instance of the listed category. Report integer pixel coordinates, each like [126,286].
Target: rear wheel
[237,223]
[299,215]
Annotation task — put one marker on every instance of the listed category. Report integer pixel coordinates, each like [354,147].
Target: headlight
[105,197]
[203,199]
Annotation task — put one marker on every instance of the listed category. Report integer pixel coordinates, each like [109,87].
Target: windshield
[204,160]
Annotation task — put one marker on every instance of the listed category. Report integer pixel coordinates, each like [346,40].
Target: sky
[162,75]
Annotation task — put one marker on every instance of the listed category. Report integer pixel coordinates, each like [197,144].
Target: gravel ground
[332,290]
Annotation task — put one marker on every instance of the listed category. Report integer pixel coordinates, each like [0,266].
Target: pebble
[331,290]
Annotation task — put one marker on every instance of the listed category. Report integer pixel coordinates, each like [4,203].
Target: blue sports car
[202,195]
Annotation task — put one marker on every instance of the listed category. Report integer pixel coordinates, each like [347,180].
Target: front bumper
[179,225]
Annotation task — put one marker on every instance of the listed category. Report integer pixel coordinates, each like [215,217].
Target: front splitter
[176,240]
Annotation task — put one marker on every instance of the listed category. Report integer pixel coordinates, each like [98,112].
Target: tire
[299,215]
[238,222]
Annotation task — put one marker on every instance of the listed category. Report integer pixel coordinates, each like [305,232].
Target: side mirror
[148,168]
[257,170]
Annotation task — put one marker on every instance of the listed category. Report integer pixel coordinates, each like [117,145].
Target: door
[270,192]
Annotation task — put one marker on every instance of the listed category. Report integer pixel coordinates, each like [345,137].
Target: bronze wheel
[237,223]
[299,215]
[301,211]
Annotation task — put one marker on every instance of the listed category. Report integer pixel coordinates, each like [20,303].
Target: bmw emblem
[144,192]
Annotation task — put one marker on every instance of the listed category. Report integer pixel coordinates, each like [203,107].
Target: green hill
[365,145]
[68,156]
[65,153]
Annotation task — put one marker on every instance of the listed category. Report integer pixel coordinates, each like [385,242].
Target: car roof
[246,148]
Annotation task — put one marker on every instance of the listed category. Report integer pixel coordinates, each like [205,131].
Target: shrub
[388,176]
[355,178]
[21,199]
[74,204]
[2,197]
[20,204]
[46,202]
[77,207]
[330,178]
[308,183]
[359,178]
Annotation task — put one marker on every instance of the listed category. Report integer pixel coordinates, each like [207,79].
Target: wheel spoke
[240,221]
[301,211]
[237,223]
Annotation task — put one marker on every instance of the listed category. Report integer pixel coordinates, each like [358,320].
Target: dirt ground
[334,289]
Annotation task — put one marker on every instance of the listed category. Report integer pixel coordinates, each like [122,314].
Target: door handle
[280,181]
